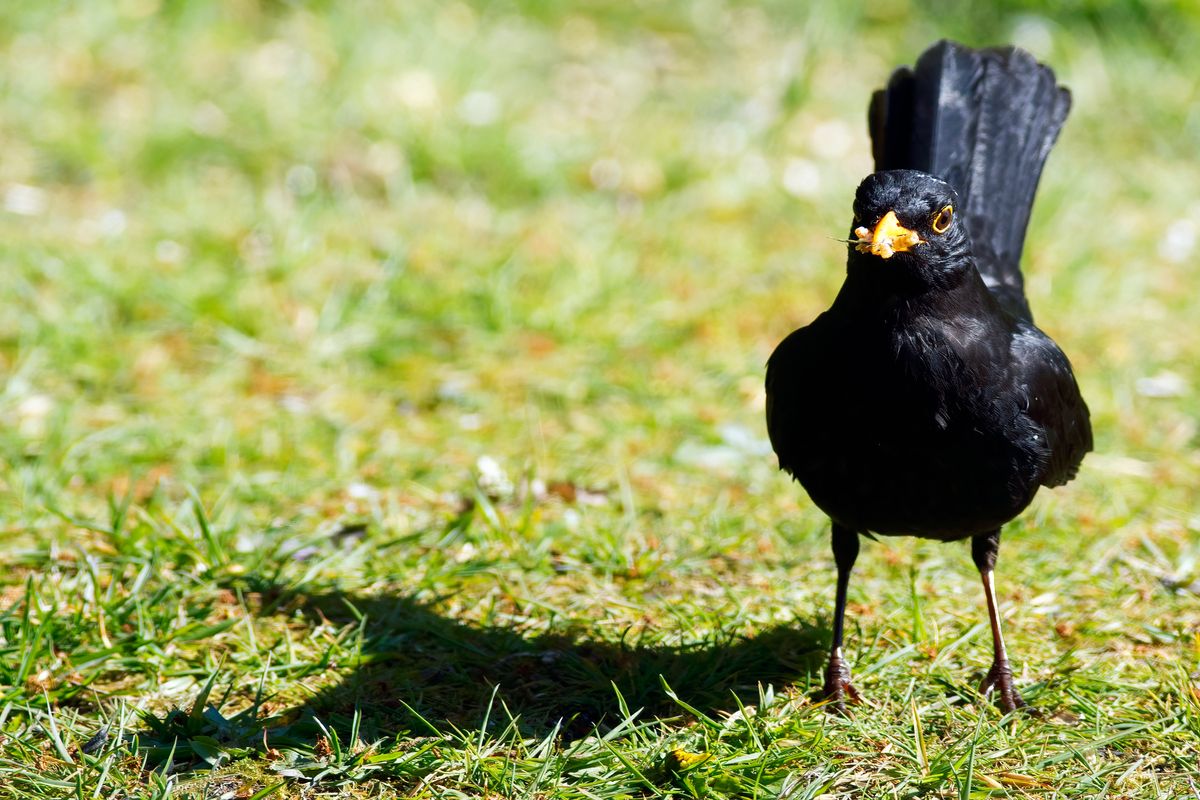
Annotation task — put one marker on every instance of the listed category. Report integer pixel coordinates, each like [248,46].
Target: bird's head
[907,223]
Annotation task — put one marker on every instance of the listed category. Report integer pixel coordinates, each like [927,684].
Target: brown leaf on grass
[14,593]
[537,344]
[140,486]
[43,681]
[1065,717]
[564,490]
[322,749]
[44,761]
[1024,781]
[570,492]
[859,610]
[270,753]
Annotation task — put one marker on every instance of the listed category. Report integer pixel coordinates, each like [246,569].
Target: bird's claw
[1000,680]
[838,687]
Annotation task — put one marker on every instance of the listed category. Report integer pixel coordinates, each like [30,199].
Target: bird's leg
[984,549]
[837,675]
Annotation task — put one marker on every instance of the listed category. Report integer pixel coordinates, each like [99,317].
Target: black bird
[925,402]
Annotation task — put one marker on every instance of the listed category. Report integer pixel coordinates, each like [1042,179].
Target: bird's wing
[789,393]
[1053,401]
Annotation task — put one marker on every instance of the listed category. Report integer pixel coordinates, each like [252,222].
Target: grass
[382,409]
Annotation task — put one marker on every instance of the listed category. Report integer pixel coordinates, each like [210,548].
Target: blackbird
[925,402]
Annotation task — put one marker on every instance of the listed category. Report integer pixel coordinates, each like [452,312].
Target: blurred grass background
[467,305]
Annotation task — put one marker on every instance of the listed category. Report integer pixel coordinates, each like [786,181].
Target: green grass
[382,409]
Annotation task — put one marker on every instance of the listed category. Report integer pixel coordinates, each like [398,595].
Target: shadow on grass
[418,671]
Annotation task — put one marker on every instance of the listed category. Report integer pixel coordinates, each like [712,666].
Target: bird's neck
[872,290]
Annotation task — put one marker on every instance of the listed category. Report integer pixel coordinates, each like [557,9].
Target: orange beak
[888,238]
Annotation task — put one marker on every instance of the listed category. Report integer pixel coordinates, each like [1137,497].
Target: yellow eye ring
[942,220]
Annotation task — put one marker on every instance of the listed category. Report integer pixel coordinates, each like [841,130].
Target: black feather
[984,121]
[96,743]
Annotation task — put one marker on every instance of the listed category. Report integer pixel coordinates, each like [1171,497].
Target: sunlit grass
[358,359]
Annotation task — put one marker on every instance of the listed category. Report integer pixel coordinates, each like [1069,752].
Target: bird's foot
[1000,680]
[838,687]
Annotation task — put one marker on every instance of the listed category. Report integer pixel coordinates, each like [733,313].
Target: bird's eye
[942,220]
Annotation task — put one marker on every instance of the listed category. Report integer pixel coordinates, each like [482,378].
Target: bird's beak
[888,238]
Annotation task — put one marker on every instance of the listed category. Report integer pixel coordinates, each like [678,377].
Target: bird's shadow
[420,670]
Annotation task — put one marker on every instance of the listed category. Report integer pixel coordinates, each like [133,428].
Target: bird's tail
[984,122]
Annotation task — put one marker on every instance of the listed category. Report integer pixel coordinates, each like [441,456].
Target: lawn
[382,408]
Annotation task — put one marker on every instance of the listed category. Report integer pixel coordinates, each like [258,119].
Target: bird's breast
[912,442]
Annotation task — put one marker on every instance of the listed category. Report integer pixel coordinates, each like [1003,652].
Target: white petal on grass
[474,212]
[32,413]
[492,478]
[605,174]
[361,491]
[169,251]
[301,180]
[717,458]
[729,138]
[455,388]
[831,139]
[801,178]
[112,223]
[1033,33]
[294,404]
[1164,384]
[742,438]
[209,120]
[479,108]
[385,159]
[28,201]
[417,90]
[739,446]
[1179,241]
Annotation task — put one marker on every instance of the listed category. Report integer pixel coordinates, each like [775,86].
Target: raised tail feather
[984,122]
